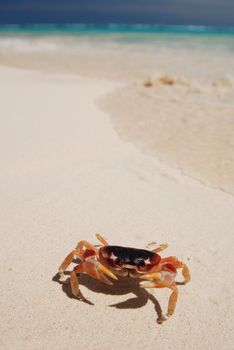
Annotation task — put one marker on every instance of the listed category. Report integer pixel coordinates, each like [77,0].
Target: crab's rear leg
[77,252]
[160,248]
[101,239]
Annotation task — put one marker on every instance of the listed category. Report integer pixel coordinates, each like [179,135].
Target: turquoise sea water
[138,34]
[116,28]
[177,36]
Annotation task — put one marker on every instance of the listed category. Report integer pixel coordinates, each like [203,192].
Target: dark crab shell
[118,257]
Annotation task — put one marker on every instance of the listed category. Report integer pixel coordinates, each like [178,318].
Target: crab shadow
[122,286]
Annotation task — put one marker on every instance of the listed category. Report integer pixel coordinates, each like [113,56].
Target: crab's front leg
[178,265]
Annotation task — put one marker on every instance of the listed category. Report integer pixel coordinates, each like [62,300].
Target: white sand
[66,175]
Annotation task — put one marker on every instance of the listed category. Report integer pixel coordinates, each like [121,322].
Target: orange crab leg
[154,276]
[173,260]
[78,251]
[91,271]
[94,270]
[85,244]
[186,274]
[178,264]
[122,272]
[101,239]
[67,261]
[172,300]
[74,280]
[101,277]
[103,269]
[173,296]
[160,248]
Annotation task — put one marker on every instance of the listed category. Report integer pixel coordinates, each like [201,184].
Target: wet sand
[186,125]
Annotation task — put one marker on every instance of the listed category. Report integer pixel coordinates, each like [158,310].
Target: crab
[112,261]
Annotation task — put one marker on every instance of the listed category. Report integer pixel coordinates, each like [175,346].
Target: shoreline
[159,136]
[103,103]
[185,120]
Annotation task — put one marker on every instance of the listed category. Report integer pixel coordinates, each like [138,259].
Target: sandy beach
[66,174]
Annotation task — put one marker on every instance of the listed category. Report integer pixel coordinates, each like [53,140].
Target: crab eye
[118,261]
[140,263]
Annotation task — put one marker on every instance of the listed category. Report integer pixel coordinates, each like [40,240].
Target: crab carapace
[118,258]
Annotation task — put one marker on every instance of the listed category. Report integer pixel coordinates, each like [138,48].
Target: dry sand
[65,175]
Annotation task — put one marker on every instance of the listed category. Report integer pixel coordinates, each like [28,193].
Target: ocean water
[122,34]
[187,123]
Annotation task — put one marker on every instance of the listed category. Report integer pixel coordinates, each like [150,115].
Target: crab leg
[173,296]
[94,270]
[154,276]
[160,248]
[103,269]
[172,300]
[186,274]
[77,252]
[74,280]
[101,277]
[85,244]
[98,271]
[178,264]
[122,272]
[67,261]
[101,239]
[173,260]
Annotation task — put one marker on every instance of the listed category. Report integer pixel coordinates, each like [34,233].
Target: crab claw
[61,274]
[104,270]
[151,276]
